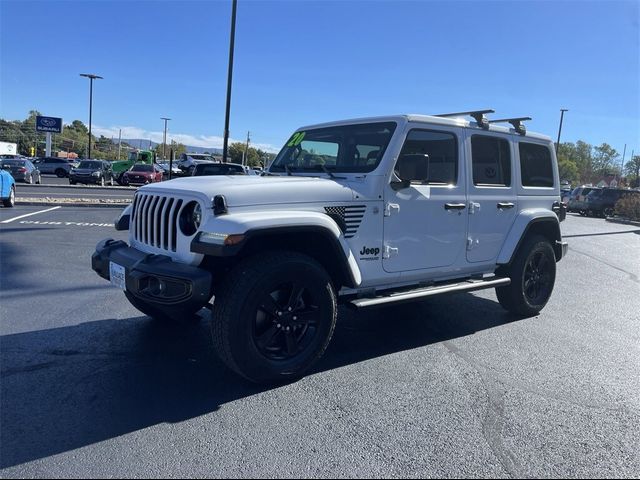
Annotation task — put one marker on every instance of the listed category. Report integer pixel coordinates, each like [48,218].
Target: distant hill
[145,144]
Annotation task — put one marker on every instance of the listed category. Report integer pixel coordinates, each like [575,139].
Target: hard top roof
[460,121]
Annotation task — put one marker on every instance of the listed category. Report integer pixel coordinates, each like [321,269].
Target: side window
[536,168]
[429,155]
[491,161]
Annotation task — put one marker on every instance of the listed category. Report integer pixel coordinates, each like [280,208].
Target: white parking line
[9,220]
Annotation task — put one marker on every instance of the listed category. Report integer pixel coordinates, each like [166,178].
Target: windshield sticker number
[296,139]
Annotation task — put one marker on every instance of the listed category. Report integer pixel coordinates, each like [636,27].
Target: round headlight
[190,218]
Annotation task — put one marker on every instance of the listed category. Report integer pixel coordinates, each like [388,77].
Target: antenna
[477,115]
[515,122]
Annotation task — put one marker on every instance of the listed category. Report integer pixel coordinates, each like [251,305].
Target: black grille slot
[154,220]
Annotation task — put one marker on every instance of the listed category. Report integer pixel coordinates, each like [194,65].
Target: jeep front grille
[347,217]
[154,220]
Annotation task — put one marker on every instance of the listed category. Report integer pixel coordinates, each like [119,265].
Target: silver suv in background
[58,166]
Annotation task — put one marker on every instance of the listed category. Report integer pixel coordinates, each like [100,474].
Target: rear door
[492,193]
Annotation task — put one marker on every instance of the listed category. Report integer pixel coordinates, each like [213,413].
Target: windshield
[13,163]
[142,168]
[348,148]
[196,156]
[90,165]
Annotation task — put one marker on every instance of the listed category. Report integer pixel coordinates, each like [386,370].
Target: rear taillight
[22,170]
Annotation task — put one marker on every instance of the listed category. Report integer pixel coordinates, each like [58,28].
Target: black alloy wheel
[286,321]
[537,278]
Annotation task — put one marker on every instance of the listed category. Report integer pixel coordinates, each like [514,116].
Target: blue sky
[304,62]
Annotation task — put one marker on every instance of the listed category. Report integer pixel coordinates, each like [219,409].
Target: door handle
[455,206]
[505,205]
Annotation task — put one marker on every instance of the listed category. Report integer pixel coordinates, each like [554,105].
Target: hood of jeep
[245,190]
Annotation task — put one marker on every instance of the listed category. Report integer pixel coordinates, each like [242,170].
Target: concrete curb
[72,204]
[623,221]
[93,187]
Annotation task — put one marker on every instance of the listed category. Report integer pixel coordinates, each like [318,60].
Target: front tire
[273,316]
[11,200]
[60,173]
[533,275]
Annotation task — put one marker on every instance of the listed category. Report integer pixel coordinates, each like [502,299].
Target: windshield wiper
[329,172]
[287,169]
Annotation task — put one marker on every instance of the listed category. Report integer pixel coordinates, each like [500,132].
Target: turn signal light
[233,239]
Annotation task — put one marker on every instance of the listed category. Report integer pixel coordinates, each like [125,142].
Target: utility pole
[229,78]
[91,78]
[245,158]
[622,164]
[164,138]
[119,141]
[562,110]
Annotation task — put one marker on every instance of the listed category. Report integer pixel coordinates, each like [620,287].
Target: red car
[141,174]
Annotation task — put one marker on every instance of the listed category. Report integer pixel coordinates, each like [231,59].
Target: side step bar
[417,294]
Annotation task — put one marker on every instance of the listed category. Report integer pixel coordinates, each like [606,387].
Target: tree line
[74,139]
[582,163]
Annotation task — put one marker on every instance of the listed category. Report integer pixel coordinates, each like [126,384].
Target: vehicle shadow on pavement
[69,387]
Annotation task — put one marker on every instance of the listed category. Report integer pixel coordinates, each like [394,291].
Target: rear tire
[273,316]
[533,275]
[11,200]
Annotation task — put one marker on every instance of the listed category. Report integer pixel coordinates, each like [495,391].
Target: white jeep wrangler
[363,212]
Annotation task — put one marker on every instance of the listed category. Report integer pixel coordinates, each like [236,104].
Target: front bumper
[155,279]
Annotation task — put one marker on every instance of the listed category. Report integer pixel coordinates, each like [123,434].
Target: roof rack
[477,115]
[516,122]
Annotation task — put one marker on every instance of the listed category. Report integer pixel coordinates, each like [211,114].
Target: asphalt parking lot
[448,387]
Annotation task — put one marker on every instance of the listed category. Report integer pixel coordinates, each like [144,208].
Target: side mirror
[412,167]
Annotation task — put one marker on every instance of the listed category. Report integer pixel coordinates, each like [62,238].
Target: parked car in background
[175,171]
[142,174]
[7,188]
[576,203]
[53,165]
[92,171]
[188,161]
[602,202]
[22,170]
[203,169]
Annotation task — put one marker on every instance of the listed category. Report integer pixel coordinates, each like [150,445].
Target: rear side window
[491,161]
[536,168]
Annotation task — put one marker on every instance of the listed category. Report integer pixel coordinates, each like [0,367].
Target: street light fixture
[91,78]
[164,138]
[562,110]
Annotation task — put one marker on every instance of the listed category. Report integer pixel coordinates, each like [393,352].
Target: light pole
[164,138]
[562,110]
[91,78]
[229,77]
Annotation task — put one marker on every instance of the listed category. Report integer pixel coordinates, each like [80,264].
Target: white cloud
[205,141]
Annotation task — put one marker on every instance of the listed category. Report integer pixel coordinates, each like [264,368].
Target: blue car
[7,189]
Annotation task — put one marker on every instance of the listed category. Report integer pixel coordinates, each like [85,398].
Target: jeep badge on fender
[468,205]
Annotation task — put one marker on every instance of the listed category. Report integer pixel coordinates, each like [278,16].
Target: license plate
[117,275]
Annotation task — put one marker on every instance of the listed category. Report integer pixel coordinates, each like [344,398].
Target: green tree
[632,168]
[568,170]
[604,160]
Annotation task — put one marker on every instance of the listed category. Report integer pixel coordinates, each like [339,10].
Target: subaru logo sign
[49,124]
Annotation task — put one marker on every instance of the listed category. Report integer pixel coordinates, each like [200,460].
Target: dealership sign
[49,124]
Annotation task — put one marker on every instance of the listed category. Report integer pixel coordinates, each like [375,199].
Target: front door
[492,195]
[425,221]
